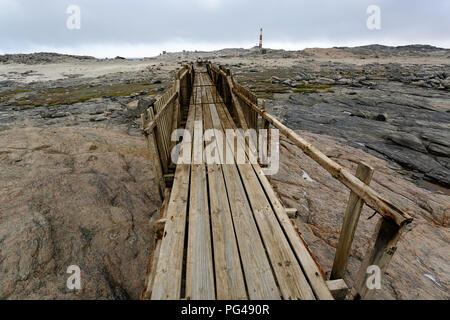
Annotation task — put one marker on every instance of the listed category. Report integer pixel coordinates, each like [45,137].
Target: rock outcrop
[74,196]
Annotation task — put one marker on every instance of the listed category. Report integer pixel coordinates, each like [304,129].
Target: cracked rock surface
[74,196]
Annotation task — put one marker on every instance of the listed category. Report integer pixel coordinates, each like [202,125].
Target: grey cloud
[25,24]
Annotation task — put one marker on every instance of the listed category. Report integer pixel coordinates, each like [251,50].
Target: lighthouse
[260,38]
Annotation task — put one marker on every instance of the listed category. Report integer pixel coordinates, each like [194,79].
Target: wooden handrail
[370,196]
[374,200]
[153,123]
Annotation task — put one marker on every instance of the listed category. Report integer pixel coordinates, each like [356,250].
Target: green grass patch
[58,96]
[9,93]
[312,88]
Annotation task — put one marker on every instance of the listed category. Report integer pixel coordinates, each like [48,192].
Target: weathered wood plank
[259,278]
[307,262]
[199,263]
[289,274]
[228,269]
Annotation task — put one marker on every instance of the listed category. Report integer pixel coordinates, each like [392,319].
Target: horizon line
[153,51]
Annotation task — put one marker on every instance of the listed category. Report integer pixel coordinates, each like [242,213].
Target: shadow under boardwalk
[227,236]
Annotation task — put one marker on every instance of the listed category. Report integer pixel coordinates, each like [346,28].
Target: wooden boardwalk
[227,236]
[224,234]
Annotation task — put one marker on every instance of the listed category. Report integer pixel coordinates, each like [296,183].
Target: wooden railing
[164,117]
[243,105]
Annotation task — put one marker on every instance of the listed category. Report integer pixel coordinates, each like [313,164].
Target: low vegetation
[58,96]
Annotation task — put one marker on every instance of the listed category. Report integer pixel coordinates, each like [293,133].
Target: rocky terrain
[76,185]
[41,58]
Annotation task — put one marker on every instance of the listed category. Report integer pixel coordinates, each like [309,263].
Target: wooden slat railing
[163,118]
[243,105]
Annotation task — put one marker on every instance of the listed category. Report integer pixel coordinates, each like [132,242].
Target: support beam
[338,288]
[381,249]
[351,218]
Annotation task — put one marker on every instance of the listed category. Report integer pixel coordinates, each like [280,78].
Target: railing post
[380,252]
[351,218]
[176,115]
[265,125]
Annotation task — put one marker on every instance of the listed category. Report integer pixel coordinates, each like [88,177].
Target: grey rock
[407,140]
[275,79]
[99,119]
[344,81]
[439,149]
[326,81]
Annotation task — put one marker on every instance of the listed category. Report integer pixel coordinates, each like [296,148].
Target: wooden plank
[199,263]
[381,249]
[350,222]
[289,274]
[307,262]
[259,278]
[370,196]
[228,269]
[167,283]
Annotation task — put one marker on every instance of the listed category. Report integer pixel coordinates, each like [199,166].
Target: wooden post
[338,289]
[380,252]
[351,218]
[176,109]
[153,147]
[265,125]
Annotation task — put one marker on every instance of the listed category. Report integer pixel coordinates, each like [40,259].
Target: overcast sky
[135,28]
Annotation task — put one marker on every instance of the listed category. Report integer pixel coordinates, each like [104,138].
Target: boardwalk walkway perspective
[223,232]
